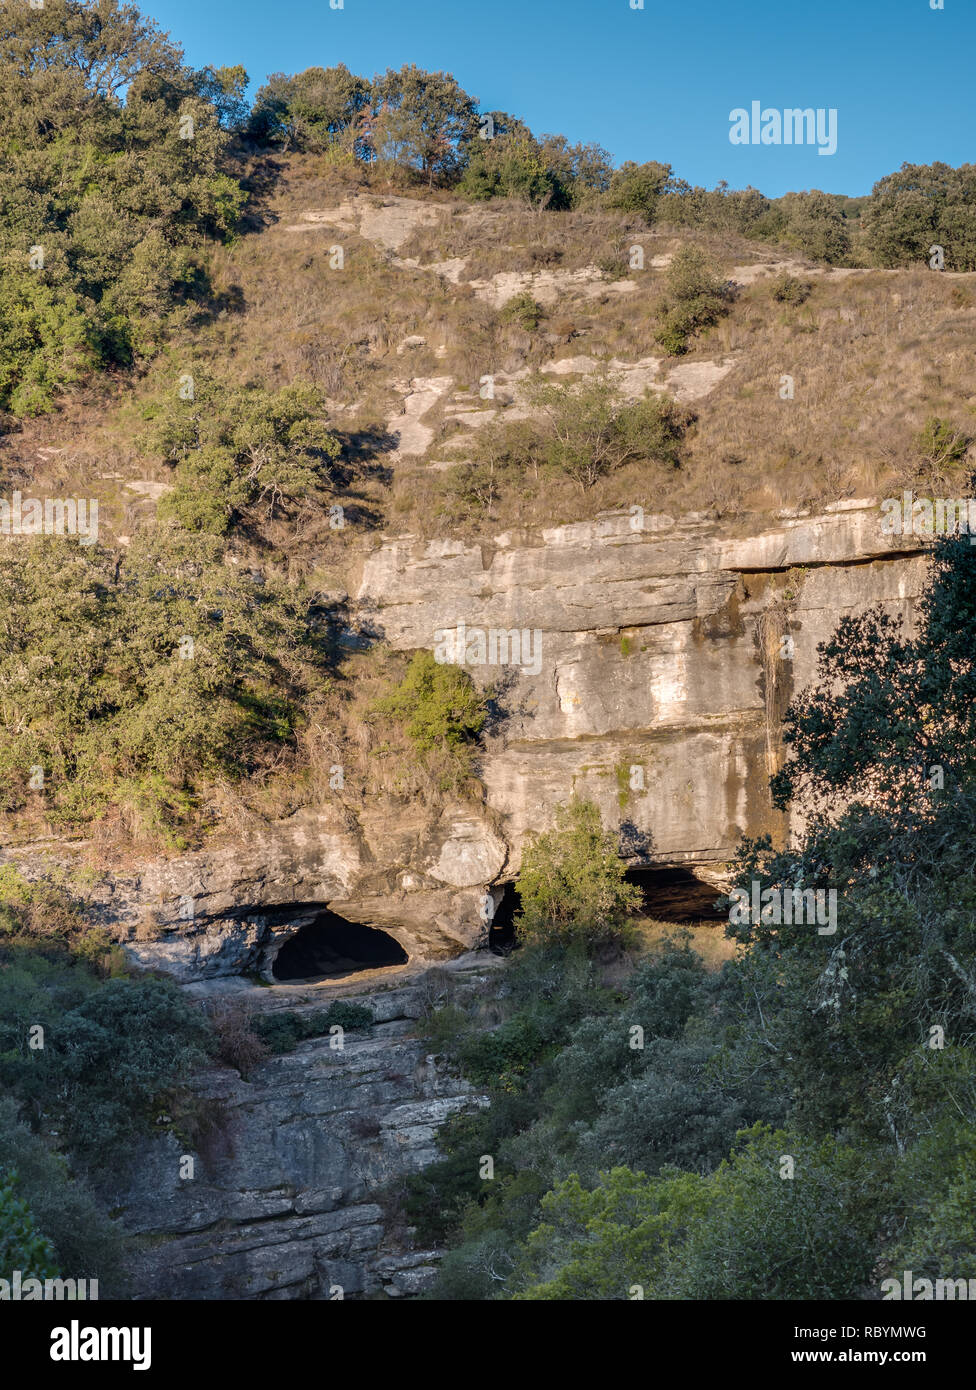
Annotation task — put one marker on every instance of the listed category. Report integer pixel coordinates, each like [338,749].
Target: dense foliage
[438,705]
[571,884]
[121,163]
[92,1060]
[114,177]
[125,685]
[240,454]
[581,432]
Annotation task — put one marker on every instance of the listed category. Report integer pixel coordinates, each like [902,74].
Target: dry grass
[872,356]
[379,762]
[707,938]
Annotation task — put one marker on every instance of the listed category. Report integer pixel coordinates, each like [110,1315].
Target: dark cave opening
[674,894]
[501,928]
[669,894]
[330,947]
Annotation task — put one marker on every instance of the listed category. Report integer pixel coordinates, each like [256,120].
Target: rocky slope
[669,646]
[278,1199]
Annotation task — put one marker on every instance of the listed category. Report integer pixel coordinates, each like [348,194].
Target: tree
[225,88]
[639,187]
[22,1247]
[241,452]
[886,709]
[611,1242]
[313,110]
[114,1057]
[695,299]
[108,199]
[753,1229]
[572,884]
[786,1218]
[581,173]
[589,434]
[511,164]
[437,703]
[184,670]
[883,768]
[921,206]
[424,121]
[816,226]
[940,444]
[83,1239]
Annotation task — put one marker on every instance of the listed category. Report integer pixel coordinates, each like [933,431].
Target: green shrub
[187,672]
[85,1242]
[435,1200]
[283,1029]
[22,1247]
[348,1015]
[639,188]
[111,1049]
[107,209]
[921,206]
[602,1242]
[754,1229]
[114,1057]
[589,435]
[514,164]
[437,703]
[940,444]
[695,299]
[504,1054]
[764,1235]
[47,342]
[787,289]
[816,226]
[572,883]
[315,110]
[524,311]
[240,454]
[444,1027]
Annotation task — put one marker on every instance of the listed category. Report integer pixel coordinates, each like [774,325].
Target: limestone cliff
[664,653]
[278,1199]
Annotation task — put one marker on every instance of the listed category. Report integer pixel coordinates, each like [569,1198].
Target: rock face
[639,660]
[278,1199]
[644,662]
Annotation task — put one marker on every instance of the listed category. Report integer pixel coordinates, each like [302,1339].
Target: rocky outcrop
[655,657]
[642,661]
[284,1195]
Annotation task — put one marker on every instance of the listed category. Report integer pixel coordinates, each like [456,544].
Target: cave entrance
[501,928]
[329,947]
[674,894]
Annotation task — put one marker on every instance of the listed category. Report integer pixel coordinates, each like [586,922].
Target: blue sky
[657,83]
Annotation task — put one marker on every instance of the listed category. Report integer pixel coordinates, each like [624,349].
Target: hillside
[873,355]
[487,799]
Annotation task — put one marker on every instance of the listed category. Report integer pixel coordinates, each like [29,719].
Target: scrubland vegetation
[93,1058]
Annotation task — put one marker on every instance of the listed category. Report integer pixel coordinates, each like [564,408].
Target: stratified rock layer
[277,1198]
[656,657]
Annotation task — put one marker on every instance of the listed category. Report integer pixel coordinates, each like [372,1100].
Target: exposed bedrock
[655,658]
[288,1189]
